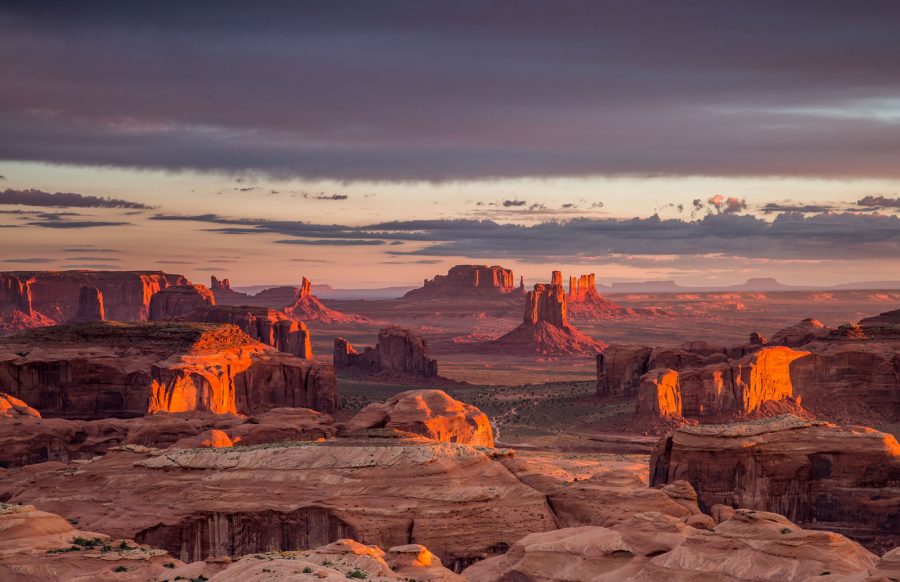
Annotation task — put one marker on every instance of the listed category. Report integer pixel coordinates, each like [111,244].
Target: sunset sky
[370,144]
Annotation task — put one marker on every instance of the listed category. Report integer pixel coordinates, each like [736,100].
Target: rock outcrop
[178,301]
[26,438]
[388,490]
[659,395]
[545,326]
[265,325]
[398,351]
[224,294]
[126,294]
[103,370]
[751,545]
[16,310]
[800,334]
[467,280]
[817,474]
[307,307]
[90,306]
[430,413]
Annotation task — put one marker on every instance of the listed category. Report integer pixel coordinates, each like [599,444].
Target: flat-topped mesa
[467,280]
[398,351]
[179,300]
[90,306]
[101,370]
[307,307]
[126,294]
[263,324]
[817,474]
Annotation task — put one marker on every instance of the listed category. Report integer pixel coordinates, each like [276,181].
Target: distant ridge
[750,285]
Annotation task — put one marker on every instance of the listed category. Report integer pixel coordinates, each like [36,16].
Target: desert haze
[442,292]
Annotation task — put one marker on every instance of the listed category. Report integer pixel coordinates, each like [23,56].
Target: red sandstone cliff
[545,326]
[179,300]
[16,310]
[397,351]
[262,324]
[467,280]
[90,306]
[123,370]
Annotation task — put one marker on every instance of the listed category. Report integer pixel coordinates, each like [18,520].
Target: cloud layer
[34,197]
[448,90]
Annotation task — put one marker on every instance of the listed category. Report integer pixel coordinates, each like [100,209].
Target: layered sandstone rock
[126,294]
[430,413]
[262,324]
[37,545]
[659,394]
[467,280]
[178,301]
[398,351]
[752,545]
[545,326]
[224,294]
[122,370]
[13,408]
[307,307]
[16,310]
[817,474]
[800,334]
[885,326]
[90,306]
[457,500]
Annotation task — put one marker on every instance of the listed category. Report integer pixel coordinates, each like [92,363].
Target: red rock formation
[90,306]
[11,407]
[398,351]
[16,311]
[430,413]
[885,326]
[817,474]
[307,307]
[179,300]
[659,394]
[101,370]
[219,285]
[800,334]
[545,326]
[126,294]
[262,324]
[467,280]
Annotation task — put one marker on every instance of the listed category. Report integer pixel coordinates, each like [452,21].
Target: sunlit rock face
[817,474]
[122,370]
[466,281]
[90,306]
[178,301]
[659,394]
[545,326]
[398,351]
[126,294]
[430,413]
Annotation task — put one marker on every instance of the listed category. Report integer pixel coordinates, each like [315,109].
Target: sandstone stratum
[100,370]
[398,351]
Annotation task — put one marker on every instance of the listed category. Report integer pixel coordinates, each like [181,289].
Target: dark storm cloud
[790,235]
[63,200]
[879,202]
[445,90]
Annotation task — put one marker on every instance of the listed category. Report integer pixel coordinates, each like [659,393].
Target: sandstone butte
[468,281]
[586,303]
[36,298]
[398,351]
[265,325]
[545,327]
[157,367]
[430,413]
[849,375]
[41,545]
[307,307]
[845,479]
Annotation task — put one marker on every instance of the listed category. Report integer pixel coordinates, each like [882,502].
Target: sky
[369,144]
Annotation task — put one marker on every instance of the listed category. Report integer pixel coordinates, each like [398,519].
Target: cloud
[879,202]
[92,259]
[89,249]
[805,208]
[331,242]
[727,205]
[333,197]
[57,221]
[101,266]
[36,261]
[374,92]
[34,197]
[514,203]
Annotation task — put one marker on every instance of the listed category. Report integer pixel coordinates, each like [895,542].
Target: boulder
[820,475]
[398,351]
[178,301]
[430,413]
[467,280]
[100,370]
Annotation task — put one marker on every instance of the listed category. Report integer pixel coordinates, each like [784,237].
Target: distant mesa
[79,372]
[297,303]
[307,307]
[90,306]
[469,280]
[398,351]
[545,327]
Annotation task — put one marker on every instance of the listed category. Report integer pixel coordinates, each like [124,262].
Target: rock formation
[262,324]
[122,370]
[307,307]
[16,310]
[430,413]
[817,474]
[26,438]
[800,334]
[467,280]
[751,545]
[126,294]
[90,306]
[179,300]
[659,394]
[386,490]
[545,326]
[398,351]
[885,326]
